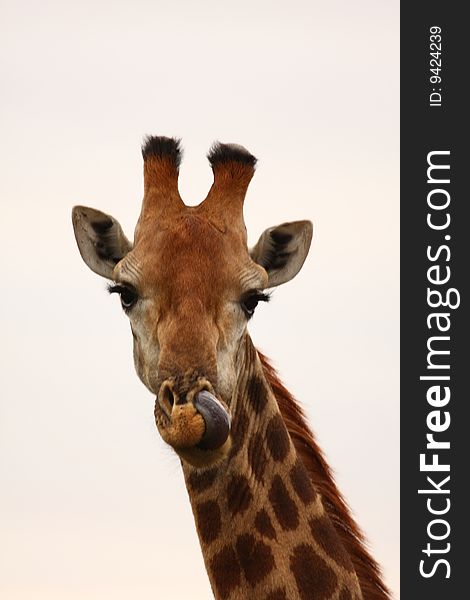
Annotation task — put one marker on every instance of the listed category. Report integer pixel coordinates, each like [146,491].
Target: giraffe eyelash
[117,288]
[262,296]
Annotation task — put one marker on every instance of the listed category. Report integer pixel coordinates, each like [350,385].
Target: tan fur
[186,427]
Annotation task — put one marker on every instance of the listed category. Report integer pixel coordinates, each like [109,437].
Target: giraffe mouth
[201,422]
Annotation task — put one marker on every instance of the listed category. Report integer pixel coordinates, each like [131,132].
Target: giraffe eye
[250,301]
[127,293]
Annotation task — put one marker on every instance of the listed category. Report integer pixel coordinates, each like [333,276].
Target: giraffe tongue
[216,418]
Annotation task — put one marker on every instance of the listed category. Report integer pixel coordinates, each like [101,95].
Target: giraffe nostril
[167,400]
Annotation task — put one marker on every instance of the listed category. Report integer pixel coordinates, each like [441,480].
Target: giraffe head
[189,285]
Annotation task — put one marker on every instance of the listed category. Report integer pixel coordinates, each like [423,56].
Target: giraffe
[271,522]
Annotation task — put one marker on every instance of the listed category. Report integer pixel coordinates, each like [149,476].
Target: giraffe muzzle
[200,421]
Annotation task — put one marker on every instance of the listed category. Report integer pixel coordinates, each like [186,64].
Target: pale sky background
[92,505]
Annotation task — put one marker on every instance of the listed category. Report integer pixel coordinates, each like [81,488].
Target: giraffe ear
[282,250]
[100,239]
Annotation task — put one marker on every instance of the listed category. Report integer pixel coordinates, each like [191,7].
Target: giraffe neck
[262,526]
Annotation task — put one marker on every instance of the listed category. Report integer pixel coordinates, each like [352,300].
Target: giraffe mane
[367,569]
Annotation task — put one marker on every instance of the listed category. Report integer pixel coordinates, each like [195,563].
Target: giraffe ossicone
[270,520]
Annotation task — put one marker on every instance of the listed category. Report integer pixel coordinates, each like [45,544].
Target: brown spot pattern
[315,580]
[264,526]
[345,595]
[277,438]
[226,572]
[283,505]
[202,480]
[257,394]
[325,535]
[239,429]
[239,495]
[208,520]
[257,456]
[279,594]
[256,558]
[301,483]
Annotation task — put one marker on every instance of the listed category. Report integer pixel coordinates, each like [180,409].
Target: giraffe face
[189,291]
[192,290]
[189,285]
